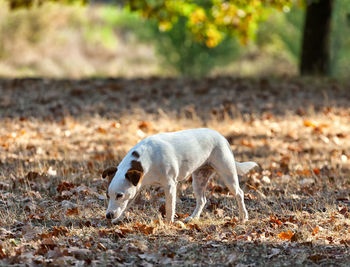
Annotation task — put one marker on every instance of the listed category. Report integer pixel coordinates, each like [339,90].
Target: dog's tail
[244,167]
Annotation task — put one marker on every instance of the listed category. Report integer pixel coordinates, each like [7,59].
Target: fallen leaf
[274,220]
[308,123]
[181,215]
[286,235]
[317,257]
[194,226]
[59,230]
[246,143]
[344,211]
[101,130]
[3,255]
[73,211]
[65,186]
[316,171]
[147,230]
[32,175]
[145,126]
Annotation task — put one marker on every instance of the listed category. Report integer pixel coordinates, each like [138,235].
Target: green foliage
[282,32]
[209,21]
[176,47]
[180,52]
[100,31]
[340,53]
[127,21]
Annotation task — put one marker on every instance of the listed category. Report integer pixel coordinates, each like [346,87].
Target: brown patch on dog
[135,173]
[135,154]
[136,165]
[109,173]
[203,175]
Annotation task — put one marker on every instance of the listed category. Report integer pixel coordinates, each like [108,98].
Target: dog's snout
[109,215]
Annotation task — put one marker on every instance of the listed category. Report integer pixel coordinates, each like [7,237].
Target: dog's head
[123,188]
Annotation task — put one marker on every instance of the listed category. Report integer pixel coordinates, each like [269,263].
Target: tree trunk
[315,58]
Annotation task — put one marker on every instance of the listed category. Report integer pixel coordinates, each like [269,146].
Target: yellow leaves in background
[214,37]
[209,22]
[164,25]
[197,16]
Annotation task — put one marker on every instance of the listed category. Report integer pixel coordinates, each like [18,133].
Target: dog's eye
[119,195]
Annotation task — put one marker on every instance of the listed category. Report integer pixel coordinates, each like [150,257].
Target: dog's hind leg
[230,179]
[200,179]
[226,169]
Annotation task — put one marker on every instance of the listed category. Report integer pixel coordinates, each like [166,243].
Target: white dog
[167,158]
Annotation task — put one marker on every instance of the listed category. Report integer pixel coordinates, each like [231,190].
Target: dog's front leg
[170,195]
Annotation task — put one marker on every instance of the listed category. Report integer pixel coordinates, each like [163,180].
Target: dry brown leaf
[65,186]
[308,123]
[305,172]
[315,230]
[147,230]
[344,211]
[145,126]
[101,130]
[73,211]
[275,220]
[3,255]
[181,215]
[246,143]
[59,230]
[316,171]
[286,235]
[194,226]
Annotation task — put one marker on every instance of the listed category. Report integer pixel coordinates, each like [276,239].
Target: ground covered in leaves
[57,136]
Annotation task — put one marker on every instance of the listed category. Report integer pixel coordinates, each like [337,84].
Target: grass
[57,136]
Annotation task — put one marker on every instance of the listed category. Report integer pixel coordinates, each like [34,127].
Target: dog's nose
[109,216]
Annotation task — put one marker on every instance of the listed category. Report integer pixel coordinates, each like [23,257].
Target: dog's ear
[109,173]
[135,173]
[134,176]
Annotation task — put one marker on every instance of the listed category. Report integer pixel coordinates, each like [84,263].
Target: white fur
[168,158]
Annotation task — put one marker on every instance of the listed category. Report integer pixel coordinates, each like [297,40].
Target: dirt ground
[57,136]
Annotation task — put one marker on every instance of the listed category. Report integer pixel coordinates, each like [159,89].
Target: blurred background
[138,38]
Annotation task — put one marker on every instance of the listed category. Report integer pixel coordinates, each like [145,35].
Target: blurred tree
[14,4]
[315,57]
